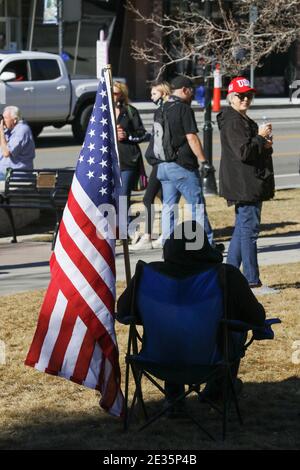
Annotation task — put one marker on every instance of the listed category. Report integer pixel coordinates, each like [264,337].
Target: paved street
[56,148]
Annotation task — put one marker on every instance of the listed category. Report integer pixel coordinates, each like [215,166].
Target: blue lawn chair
[187,339]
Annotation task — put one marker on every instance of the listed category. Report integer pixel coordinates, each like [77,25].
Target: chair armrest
[265,332]
[259,332]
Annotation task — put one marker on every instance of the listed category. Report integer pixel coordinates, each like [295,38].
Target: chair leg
[12,224]
[138,396]
[56,228]
[126,396]
[235,400]
[225,404]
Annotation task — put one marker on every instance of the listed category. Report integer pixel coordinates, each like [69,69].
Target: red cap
[240,85]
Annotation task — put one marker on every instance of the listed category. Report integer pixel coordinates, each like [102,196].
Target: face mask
[158,102]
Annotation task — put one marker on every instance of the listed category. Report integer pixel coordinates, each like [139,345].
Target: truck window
[44,69]
[19,67]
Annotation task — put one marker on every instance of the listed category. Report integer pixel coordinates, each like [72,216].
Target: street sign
[101,54]
[253,13]
[50,12]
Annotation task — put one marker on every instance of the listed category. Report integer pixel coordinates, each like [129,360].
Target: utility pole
[252,19]
[60,26]
[209,181]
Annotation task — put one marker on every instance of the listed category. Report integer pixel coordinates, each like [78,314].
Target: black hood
[181,248]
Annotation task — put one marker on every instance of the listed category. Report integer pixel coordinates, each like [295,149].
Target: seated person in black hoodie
[181,263]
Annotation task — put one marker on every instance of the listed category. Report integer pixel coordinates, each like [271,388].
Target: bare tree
[240,33]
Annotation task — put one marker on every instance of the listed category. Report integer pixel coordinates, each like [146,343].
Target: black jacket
[180,263]
[129,151]
[246,168]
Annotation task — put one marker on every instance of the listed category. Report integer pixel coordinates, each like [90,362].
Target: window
[19,67]
[44,69]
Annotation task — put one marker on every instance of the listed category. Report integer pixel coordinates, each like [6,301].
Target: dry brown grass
[40,411]
[45,412]
[279,216]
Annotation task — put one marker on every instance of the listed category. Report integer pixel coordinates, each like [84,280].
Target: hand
[268,143]
[265,130]
[121,134]
[206,169]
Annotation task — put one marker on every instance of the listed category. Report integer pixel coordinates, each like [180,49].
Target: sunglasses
[116,93]
[242,96]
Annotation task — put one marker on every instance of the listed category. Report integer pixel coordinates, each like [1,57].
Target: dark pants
[153,188]
[128,181]
[243,247]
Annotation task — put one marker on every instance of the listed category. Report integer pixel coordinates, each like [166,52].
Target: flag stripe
[78,280]
[64,336]
[71,353]
[43,324]
[94,214]
[93,377]
[84,358]
[53,331]
[89,318]
[88,249]
[88,270]
[90,231]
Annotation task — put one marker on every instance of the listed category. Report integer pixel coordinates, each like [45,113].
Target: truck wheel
[80,123]
[36,130]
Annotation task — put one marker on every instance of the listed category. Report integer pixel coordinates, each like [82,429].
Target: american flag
[75,336]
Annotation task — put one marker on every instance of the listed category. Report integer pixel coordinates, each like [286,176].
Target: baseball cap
[181,82]
[240,85]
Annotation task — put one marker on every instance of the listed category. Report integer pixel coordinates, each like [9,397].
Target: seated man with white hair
[17,149]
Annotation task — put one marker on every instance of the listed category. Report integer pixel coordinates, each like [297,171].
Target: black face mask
[158,102]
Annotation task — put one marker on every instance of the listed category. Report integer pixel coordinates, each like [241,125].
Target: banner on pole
[50,12]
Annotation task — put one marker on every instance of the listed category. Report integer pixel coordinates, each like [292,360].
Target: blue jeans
[128,180]
[177,181]
[243,244]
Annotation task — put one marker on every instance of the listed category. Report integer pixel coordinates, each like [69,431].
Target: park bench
[36,189]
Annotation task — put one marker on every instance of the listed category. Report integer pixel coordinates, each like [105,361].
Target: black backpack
[163,149]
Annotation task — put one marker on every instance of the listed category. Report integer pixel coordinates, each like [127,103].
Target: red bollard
[217,89]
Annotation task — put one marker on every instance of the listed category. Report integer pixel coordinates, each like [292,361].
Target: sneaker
[157,243]
[143,244]
[134,237]
[264,290]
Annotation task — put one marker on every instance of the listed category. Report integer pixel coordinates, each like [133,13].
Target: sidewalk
[25,265]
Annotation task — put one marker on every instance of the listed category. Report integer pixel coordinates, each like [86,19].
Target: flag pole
[124,242]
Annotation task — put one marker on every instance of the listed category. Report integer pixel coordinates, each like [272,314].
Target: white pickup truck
[39,84]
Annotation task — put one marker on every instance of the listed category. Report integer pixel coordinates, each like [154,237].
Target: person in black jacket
[160,92]
[246,176]
[130,131]
[180,263]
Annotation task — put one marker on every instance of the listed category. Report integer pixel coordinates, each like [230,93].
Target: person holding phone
[17,149]
[246,177]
